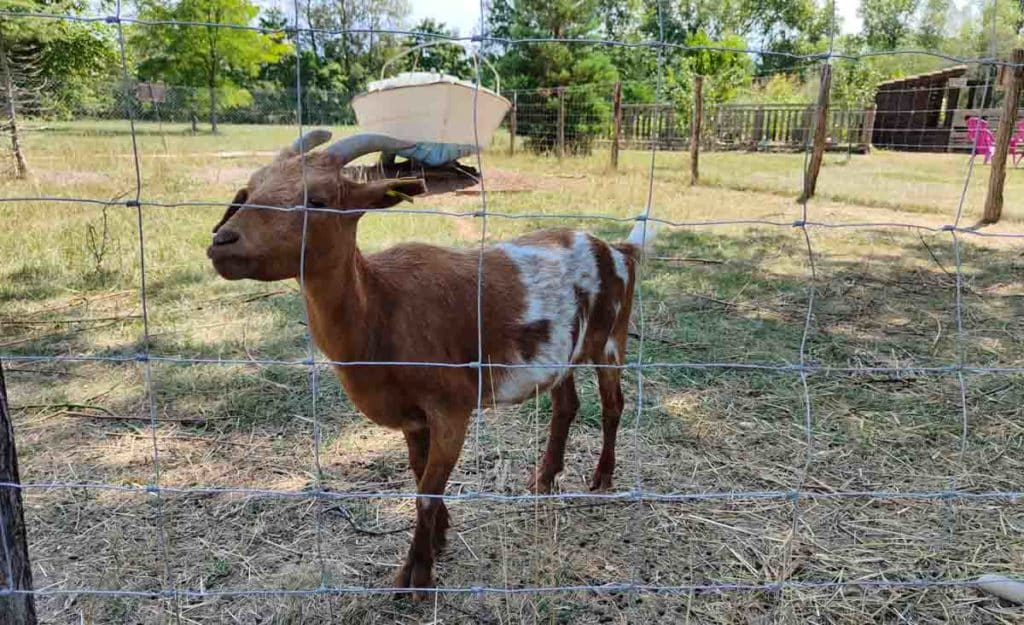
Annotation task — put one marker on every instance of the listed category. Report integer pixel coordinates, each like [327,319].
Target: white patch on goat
[550,275]
[620,265]
[611,349]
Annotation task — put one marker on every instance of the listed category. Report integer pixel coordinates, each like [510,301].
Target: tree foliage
[61,66]
[217,58]
[887,23]
[439,56]
[47,67]
[579,70]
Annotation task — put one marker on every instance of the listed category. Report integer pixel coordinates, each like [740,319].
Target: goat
[549,299]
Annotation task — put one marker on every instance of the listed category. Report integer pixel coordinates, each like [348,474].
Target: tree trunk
[213,36]
[12,114]
[312,32]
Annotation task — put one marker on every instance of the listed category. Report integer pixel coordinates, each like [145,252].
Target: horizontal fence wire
[748,130]
[631,495]
[558,216]
[611,587]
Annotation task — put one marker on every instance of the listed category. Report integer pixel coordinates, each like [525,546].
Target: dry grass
[734,294]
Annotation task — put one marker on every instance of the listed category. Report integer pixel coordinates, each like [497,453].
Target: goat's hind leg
[609,382]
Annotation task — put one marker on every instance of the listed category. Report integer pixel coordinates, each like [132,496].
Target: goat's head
[260,235]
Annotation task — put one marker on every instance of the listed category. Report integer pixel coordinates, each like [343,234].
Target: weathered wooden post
[758,130]
[695,126]
[820,132]
[1007,124]
[512,124]
[868,129]
[561,122]
[15,570]
[617,123]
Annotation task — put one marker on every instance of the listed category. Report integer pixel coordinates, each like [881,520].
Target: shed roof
[939,75]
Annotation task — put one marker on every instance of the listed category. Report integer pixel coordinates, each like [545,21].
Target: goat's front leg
[565,403]
[447,433]
[418,442]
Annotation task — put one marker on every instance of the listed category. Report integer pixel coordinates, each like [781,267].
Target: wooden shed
[913,113]
[928,112]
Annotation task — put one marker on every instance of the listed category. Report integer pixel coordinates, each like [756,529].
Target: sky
[464,15]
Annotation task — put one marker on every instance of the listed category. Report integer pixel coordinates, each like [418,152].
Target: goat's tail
[642,236]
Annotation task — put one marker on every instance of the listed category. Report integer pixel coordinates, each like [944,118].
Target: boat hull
[439,112]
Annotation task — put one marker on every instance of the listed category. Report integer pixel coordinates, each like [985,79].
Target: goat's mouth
[228,263]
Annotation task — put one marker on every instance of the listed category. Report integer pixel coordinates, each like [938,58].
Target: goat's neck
[339,297]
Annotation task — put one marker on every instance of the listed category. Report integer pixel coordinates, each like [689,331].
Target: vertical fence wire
[318,487]
[481,251]
[144,355]
[644,221]
[961,346]
[812,279]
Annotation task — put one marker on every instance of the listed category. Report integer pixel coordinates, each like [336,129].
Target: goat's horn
[310,140]
[351,148]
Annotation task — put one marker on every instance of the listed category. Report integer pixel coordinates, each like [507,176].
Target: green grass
[69,285]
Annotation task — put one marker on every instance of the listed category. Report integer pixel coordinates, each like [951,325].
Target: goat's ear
[240,197]
[385,193]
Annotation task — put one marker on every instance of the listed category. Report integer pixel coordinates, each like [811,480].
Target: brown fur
[417,303]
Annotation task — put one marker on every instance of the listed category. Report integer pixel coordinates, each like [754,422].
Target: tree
[360,55]
[786,27]
[931,31]
[584,72]
[47,63]
[726,72]
[210,56]
[443,57]
[887,23]
[11,96]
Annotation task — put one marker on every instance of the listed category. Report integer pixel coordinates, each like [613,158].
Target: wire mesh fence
[927,112]
[815,429]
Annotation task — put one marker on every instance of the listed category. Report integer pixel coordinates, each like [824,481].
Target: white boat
[433,111]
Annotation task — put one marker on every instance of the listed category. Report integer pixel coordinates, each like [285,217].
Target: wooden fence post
[757,133]
[820,130]
[695,126]
[512,124]
[617,130]
[867,131]
[1007,124]
[561,122]
[17,609]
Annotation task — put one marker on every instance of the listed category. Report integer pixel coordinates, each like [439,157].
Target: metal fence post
[512,124]
[617,121]
[561,123]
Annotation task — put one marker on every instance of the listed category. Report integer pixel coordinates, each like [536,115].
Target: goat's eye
[315,204]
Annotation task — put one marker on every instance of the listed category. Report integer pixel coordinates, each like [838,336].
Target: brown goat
[549,299]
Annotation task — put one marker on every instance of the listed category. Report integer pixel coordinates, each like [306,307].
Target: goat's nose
[225,236]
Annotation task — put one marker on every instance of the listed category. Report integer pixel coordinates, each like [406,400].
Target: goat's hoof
[539,484]
[418,575]
[601,481]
